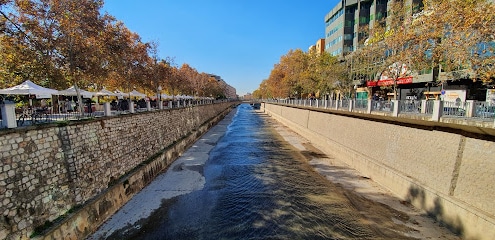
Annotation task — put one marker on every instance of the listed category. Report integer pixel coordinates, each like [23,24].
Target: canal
[245,181]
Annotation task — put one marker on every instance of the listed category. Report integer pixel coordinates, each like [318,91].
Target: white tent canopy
[183,97]
[165,96]
[29,88]
[104,92]
[135,93]
[72,92]
[120,94]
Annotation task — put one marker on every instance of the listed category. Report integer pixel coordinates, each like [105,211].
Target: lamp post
[160,105]
[355,91]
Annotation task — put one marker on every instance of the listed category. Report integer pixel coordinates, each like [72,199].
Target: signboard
[454,96]
[490,96]
[397,69]
[389,82]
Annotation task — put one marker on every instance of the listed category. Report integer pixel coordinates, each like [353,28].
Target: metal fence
[34,116]
[455,109]
[484,110]
[475,110]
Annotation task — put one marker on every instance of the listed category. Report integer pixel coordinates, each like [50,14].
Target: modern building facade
[346,31]
[319,47]
[345,22]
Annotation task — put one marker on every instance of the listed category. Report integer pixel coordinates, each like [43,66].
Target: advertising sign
[387,76]
[389,82]
[490,96]
[454,96]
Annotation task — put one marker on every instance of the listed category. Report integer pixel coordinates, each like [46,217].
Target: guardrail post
[437,110]
[395,112]
[148,106]
[107,110]
[423,106]
[470,108]
[8,114]
[131,106]
[370,105]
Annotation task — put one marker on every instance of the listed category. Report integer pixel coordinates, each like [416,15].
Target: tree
[188,75]
[174,81]
[459,37]
[454,38]
[299,73]
[58,43]
[328,70]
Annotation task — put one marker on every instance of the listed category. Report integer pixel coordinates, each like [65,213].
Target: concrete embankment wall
[447,172]
[74,176]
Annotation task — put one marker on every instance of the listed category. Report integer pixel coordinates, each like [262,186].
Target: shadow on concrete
[417,197]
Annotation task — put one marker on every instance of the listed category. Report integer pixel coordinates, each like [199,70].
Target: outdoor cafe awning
[29,88]
[72,92]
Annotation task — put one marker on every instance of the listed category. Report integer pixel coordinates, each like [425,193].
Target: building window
[334,30]
[334,17]
[363,20]
[336,52]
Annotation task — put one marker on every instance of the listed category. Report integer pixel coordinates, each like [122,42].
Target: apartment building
[345,31]
[345,22]
[319,46]
[229,91]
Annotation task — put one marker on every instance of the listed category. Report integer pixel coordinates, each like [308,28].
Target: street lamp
[355,91]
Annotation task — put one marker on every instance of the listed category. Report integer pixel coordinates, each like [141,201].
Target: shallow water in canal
[259,187]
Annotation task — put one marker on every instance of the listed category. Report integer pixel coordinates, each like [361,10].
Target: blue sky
[239,40]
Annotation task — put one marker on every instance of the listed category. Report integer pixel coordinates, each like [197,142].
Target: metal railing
[410,106]
[455,109]
[28,116]
[484,110]
[471,110]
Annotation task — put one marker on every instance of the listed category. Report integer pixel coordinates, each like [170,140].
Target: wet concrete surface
[251,178]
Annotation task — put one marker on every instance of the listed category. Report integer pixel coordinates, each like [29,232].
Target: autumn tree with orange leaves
[300,74]
[454,39]
[59,43]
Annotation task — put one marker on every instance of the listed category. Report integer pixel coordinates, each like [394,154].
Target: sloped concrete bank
[446,172]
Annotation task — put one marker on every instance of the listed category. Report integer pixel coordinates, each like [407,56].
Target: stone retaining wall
[445,171]
[47,172]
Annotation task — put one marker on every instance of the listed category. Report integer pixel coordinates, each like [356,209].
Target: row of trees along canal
[60,43]
[456,36]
